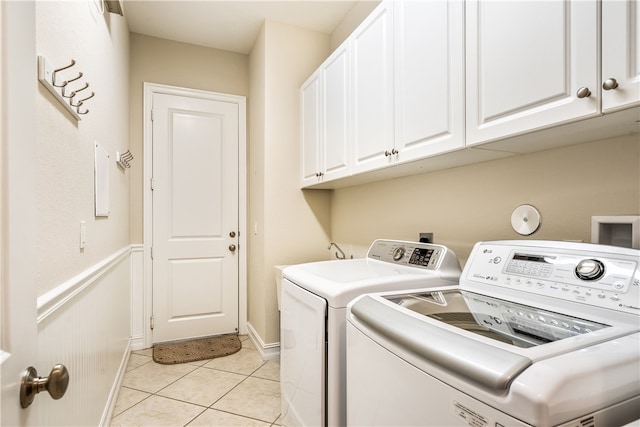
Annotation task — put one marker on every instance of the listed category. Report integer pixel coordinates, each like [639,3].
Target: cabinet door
[372,45]
[526,62]
[620,54]
[310,127]
[336,123]
[429,89]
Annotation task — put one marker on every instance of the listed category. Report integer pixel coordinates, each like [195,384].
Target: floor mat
[196,349]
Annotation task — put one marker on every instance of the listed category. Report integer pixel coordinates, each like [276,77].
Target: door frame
[147,206]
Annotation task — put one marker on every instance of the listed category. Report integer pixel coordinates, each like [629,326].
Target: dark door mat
[196,349]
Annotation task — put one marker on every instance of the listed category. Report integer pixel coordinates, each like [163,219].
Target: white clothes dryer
[313,304]
[537,333]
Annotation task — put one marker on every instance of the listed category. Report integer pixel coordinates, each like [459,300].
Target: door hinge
[151,252]
[151,115]
[151,183]
[151,322]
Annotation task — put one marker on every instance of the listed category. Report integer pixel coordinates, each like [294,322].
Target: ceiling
[229,24]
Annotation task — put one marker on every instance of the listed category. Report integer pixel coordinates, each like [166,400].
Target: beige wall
[161,61]
[292,226]
[65,147]
[350,22]
[472,203]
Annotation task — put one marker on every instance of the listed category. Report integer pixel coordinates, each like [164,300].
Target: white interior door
[195,217]
[18,330]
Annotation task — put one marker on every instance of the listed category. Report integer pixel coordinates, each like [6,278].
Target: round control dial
[398,253]
[590,269]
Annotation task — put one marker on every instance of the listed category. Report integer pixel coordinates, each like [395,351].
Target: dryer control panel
[603,276]
[414,254]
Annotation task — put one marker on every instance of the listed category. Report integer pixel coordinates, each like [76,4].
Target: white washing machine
[537,334]
[313,304]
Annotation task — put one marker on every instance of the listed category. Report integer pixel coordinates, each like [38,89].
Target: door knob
[232,248]
[56,384]
[232,234]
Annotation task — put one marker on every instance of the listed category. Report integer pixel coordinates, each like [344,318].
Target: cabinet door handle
[394,151]
[387,153]
[583,92]
[610,84]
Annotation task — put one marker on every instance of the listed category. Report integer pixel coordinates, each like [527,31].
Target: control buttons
[398,253]
[590,269]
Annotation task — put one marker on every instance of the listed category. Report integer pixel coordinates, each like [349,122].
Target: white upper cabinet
[429,78]
[529,65]
[310,126]
[325,126]
[421,78]
[336,114]
[372,49]
[620,54]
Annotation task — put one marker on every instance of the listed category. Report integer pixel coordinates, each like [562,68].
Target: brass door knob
[232,248]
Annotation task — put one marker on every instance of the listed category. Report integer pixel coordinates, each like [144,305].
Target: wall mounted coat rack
[66,85]
[123,159]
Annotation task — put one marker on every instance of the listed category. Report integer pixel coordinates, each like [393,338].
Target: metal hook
[125,157]
[88,97]
[73,93]
[79,103]
[53,76]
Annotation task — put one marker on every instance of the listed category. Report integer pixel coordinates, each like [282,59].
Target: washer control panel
[603,276]
[413,254]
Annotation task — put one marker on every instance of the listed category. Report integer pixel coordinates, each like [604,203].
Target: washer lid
[340,281]
[482,363]
[492,349]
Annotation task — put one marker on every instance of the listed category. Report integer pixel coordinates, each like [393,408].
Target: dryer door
[302,356]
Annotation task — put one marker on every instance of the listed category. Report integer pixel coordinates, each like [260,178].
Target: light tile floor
[236,390]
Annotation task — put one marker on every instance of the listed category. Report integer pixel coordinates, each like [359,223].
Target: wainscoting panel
[137,297]
[85,324]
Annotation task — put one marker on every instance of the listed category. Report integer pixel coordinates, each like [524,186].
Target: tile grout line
[196,368]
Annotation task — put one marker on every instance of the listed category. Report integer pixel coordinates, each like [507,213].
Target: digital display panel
[421,256]
[533,258]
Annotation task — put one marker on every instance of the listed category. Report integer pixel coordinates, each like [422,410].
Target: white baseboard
[137,343]
[115,390]
[266,351]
